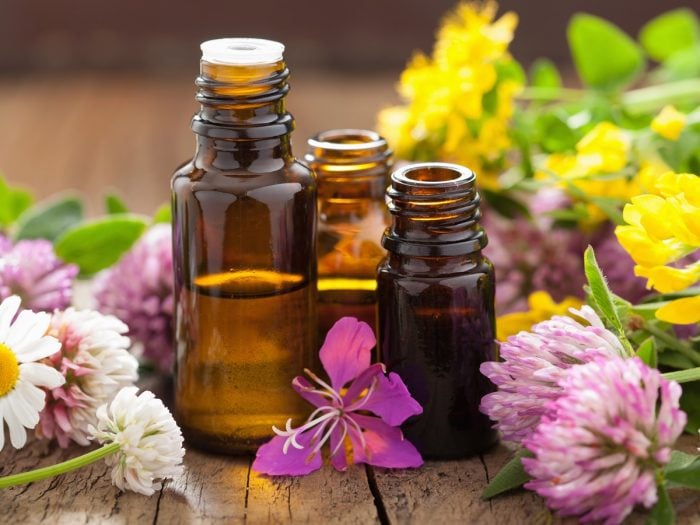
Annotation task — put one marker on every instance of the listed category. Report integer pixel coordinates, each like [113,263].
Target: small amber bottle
[436,306]
[244,229]
[353,167]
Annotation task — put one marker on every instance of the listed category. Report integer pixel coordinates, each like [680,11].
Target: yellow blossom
[681,311]
[662,229]
[542,307]
[669,123]
[604,149]
[459,100]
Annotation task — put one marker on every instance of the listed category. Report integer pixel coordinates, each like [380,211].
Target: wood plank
[322,497]
[82,496]
[212,489]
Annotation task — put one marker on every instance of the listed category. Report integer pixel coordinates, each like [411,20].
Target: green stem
[61,468]
[542,94]
[674,343]
[653,97]
[683,376]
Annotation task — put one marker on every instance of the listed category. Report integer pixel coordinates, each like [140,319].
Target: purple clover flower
[31,270]
[598,449]
[139,291]
[533,363]
[341,414]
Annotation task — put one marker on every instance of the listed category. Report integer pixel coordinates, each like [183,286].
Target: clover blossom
[94,359]
[31,270]
[600,445]
[535,362]
[340,413]
[149,440]
[139,291]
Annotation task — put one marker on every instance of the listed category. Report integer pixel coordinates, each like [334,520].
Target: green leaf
[510,477]
[662,513]
[543,73]
[690,403]
[603,297]
[685,472]
[13,202]
[674,360]
[49,219]
[554,133]
[163,214]
[670,33]
[97,244]
[647,352]
[605,57]
[114,204]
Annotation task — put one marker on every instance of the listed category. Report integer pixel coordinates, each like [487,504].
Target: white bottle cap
[241,51]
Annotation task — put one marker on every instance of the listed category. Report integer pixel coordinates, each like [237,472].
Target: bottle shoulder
[429,269]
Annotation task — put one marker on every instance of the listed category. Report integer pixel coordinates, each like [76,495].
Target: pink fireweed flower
[31,270]
[598,450]
[96,363]
[342,414]
[534,362]
[139,291]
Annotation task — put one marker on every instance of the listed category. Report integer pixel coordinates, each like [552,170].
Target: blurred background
[97,96]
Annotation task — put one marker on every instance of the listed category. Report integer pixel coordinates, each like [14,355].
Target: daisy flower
[23,342]
[96,363]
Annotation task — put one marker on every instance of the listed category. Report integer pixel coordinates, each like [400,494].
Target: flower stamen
[335,395]
[9,369]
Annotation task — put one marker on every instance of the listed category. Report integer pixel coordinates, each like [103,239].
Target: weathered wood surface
[219,489]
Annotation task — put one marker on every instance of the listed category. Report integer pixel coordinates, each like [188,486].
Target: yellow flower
[604,149]
[669,123]
[459,100]
[681,311]
[663,228]
[542,307]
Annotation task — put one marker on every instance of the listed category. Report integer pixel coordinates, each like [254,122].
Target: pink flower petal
[362,382]
[385,445]
[391,400]
[304,389]
[339,460]
[346,351]
[271,460]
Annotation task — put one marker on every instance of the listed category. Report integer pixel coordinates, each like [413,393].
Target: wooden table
[220,489]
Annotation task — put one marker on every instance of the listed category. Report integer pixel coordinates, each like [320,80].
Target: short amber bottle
[436,306]
[352,167]
[244,229]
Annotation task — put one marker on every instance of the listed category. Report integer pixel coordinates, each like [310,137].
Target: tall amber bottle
[353,167]
[244,216]
[436,306]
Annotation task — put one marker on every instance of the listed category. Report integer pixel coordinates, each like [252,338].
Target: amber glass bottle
[352,166]
[244,216]
[436,306]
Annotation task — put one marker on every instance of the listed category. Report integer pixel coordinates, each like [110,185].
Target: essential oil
[436,307]
[352,167]
[244,226]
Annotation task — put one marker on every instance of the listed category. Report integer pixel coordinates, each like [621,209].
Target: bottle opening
[347,140]
[430,173]
[242,51]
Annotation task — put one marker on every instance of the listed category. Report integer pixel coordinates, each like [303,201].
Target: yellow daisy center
[9,369]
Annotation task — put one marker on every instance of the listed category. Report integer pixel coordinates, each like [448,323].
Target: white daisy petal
[34,350]
[25,410]
[28,326]
[2,430]
[41,375]
[8,309]
[18,434]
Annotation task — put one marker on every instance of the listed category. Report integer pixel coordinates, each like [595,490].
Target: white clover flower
[23,342]
[96,363]
[150,442]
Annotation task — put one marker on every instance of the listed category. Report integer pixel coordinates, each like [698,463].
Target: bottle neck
[243,118]
[435,212]
[350,165]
